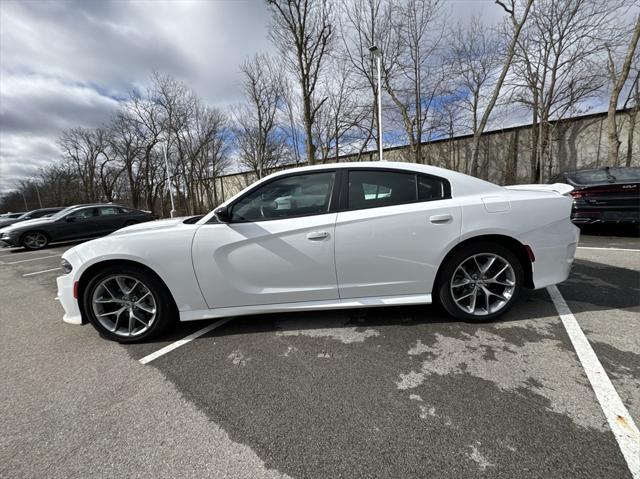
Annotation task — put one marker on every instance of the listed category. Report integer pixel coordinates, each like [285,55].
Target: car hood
[150,226]
[26,224]
[7,222]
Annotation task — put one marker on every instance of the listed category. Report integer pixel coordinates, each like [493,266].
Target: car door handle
[440,219]
[317,235]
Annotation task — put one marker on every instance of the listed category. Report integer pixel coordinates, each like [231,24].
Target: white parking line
[33,259]
[183,341]
[40,272]
[619,419]
[610,249]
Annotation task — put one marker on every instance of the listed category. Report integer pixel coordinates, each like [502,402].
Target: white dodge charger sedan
[346,235]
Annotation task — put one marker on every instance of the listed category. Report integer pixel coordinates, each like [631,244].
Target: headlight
[66,266]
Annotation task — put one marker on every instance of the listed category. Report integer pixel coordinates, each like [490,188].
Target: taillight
[577,194]
[532,257]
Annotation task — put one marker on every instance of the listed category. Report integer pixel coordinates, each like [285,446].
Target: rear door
[109,219]
[391,232]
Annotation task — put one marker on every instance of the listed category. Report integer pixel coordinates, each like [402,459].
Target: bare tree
[291,124]
[203,146]
[558,62]
[82,148]
[475,57]
[303,31]
[509,7]
[633,99]
[412,71]
[126,140]
[340,115]
[261,141]
[618,80]
[365,23]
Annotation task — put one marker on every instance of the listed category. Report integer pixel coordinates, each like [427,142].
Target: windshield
[26,215]
[62,213]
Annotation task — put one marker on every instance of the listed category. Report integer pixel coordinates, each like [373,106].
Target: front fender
[167,254]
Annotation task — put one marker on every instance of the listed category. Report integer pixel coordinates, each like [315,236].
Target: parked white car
[346,235]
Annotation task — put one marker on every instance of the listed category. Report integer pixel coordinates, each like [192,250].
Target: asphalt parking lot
[391,392]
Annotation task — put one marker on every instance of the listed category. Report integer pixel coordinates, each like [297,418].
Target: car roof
[459,181]
[461,184]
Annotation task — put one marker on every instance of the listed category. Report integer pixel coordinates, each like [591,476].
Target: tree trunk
[308,129]
[612,128]
[494,97]
[633,114]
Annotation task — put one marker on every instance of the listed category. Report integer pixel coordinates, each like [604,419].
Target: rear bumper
[554,247]
[591,216]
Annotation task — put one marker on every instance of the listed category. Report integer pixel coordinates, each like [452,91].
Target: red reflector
[75,290]
[532,257]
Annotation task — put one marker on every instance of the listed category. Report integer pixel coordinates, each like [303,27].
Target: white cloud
[65,63]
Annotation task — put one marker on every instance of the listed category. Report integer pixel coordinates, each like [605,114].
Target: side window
[83,214]
[375,188]
[108,211]
[287,197]
[430,188]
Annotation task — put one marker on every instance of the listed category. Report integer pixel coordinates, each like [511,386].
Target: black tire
[165,309]
[467,253]
[34,240]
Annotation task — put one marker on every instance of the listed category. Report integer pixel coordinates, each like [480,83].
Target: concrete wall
[505,155]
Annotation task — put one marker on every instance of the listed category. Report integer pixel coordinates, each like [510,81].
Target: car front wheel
[127,304]
[480,282]
[34,240]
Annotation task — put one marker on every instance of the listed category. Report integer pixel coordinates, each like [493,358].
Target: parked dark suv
[86,221]
[604,195]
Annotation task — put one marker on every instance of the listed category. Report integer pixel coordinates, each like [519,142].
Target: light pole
[35,183]
[24,198]
[166,164]
[375,51]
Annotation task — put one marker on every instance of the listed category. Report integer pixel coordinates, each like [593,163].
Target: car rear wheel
[34,240]
[127,304]
[480,282]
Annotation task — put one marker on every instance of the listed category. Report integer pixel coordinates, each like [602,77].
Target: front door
[278,247]
[392,235]
[78,224]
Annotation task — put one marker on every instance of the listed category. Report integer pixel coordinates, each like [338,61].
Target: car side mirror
[222,214]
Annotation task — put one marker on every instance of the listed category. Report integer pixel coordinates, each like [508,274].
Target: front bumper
[8,241]
[66,290]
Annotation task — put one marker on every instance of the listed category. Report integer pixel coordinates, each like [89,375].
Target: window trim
[344,196]
[333,200]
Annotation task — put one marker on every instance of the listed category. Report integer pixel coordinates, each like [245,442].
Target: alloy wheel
[124,305]
[35,240]
[483,284]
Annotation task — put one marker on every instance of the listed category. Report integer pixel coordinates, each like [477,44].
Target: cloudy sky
[67,63]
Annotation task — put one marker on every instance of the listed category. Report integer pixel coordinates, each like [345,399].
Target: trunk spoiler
[560,188]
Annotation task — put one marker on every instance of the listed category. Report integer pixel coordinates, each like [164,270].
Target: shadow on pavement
[597,286]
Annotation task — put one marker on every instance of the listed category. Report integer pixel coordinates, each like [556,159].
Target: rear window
[377,188]
[615,175]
